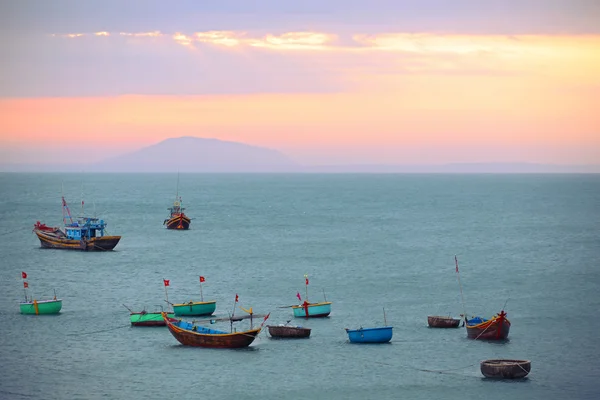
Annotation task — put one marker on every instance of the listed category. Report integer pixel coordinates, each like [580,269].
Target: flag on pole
[298,296]
[236,298]
[456,262]
[25,285]
[306,277]
[266,317]
[202,279]
[23,275]
[166,282]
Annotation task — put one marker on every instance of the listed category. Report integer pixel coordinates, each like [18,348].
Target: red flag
[236,298]
[266,317]
[202,279]
[25,285]
[298,296]
[306,277]
[166,282]
[456,262]
[24,275]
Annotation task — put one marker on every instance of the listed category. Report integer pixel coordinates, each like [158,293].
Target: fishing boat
[436,321]
[308,309]
[505,369]
[146,318]
[190,334]
[495,328]
[41,307]
[84,233]
[382,334]
[288,332]
[38,307]
[199,308]
[177,219]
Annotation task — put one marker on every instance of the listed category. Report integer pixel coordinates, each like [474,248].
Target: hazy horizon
[336,84]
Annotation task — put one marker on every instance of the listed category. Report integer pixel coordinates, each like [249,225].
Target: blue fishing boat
[370,335]
[85,233]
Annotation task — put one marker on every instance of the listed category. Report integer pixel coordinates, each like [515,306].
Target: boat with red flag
[310,310]
[83,233]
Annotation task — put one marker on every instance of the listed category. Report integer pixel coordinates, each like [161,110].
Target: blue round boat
[370,335]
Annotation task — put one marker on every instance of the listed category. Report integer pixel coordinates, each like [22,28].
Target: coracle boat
[177,218]
[370,335]
[189,334]
[195,308]
[310,310]
[435,321]
[495,328]
[505,369]
[85,234]
[41,307]
[288,332]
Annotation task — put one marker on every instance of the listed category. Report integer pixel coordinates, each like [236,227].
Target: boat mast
[384,319]
[306,287]
[65,208]
[177,192]
[460,286]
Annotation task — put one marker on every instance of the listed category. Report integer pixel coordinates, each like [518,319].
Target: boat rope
[100,331]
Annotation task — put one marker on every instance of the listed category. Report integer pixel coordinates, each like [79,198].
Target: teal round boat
[42,307]
[195,308]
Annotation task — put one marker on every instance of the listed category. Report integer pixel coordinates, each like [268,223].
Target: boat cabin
[85,228]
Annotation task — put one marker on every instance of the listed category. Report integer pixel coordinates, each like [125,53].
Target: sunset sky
[325,82]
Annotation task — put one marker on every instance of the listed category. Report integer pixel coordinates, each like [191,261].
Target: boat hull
[312,310]
[195,308]
[148,318]
[204,337]
[51,240]
[180,222]
[505,369]
[291,332]
[42,307]
[370,335]
[496,328]
[442,322]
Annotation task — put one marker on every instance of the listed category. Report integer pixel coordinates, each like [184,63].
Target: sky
[325,82]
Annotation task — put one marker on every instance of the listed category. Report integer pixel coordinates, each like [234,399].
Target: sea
[381,247]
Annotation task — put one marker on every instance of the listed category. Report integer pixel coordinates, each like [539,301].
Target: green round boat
[42,307]
[195,308]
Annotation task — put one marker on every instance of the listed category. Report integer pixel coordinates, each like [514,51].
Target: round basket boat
[505,369]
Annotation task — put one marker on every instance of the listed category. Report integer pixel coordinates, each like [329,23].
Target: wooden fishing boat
[435,321]
[177,219]
[505,369]
[370,335]
[495,328]
[41,307]
[189,334]
[85,233]
[312,310]
[145,318]
[199,308]
[289,332]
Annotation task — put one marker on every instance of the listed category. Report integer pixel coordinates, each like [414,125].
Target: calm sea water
[367,242]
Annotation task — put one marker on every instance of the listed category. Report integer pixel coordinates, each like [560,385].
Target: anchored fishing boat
[505,369]
[311,310]
[436,321]
[38,307]
[177,218]
[147,318]
[288,332]
[193,308]
[495,328]
[382,334]
[85,233]
[191,334]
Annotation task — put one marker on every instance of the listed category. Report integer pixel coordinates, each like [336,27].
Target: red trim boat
[495,328]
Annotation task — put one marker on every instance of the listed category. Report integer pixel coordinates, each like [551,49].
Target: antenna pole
[306,286]
[201,296]
[460,286]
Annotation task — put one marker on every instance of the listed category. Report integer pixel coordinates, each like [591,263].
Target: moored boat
[505,369]
[85,233]
[145,318]
[291,332]
[435,321]
[190,334]
[195,308]
[495,328]
[312,310]
[41,307]
[381,334]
